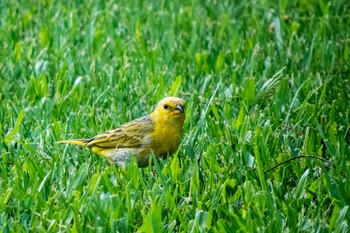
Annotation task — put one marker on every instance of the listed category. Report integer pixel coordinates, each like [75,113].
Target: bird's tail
[80,142]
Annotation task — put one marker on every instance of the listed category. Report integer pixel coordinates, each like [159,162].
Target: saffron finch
[160,132]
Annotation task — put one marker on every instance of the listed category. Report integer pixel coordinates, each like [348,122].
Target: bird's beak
[179,107]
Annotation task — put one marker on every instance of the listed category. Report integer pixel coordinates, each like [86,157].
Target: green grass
[264,82]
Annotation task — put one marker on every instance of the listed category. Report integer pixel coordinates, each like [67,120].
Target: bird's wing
[133,134]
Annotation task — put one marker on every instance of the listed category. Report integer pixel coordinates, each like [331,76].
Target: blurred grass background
[264,81]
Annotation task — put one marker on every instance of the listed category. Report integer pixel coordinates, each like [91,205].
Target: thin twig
[297,157]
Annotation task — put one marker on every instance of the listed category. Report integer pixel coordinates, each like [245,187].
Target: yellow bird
[160,132]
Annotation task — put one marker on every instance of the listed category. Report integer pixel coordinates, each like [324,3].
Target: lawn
[264,82]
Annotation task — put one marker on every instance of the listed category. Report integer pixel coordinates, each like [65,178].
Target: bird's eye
[166,106]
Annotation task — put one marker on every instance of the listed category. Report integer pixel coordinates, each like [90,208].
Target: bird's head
[170,109]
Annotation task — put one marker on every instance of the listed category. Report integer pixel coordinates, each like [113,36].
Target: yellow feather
[80,142]
[160,133]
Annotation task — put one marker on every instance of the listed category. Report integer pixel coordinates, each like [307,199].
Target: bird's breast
[166,139]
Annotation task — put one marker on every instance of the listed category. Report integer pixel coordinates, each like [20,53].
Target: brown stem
[298,157]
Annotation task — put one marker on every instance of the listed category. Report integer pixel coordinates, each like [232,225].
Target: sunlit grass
[263,83]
